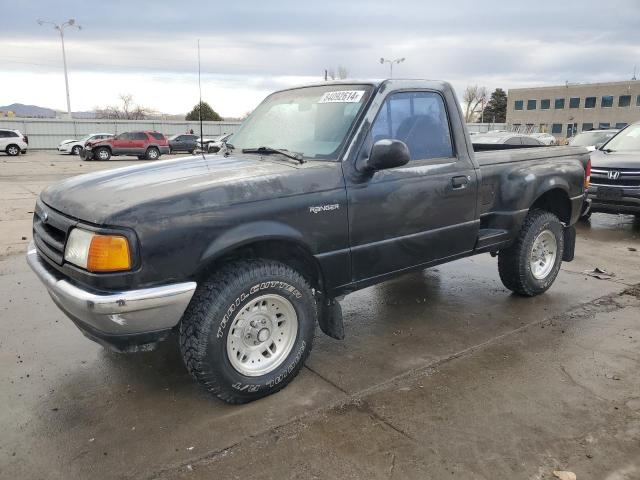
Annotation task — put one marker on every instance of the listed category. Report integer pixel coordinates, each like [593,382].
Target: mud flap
[569,243]
[330,318]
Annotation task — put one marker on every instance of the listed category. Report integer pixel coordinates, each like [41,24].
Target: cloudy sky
[250,48]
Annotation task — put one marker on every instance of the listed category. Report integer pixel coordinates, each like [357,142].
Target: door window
[138,136]
[420,120]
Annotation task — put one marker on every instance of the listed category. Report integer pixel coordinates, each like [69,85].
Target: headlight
[96,252]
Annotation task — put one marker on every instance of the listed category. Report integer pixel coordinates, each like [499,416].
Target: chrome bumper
[119,313]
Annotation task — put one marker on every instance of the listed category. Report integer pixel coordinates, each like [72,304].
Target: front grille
[50,230]
[626,177]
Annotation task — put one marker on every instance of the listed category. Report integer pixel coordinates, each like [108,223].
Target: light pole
[391,62]
[60,27]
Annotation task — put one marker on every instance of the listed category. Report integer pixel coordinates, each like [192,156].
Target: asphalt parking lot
[443,374]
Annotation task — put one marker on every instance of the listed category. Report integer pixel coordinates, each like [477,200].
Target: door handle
[459,182]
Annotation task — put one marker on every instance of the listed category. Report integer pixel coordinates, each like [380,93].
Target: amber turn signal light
[108,253]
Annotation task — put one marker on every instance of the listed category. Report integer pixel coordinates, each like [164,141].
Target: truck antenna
[200,105]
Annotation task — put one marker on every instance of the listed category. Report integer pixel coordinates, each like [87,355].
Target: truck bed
[495,157]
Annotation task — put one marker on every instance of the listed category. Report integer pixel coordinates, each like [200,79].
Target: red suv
[144,145]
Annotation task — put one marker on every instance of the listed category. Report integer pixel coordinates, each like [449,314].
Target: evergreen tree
[208,113]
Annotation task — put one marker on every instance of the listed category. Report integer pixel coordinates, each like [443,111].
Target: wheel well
[286,251]
[555,201]
[13,145]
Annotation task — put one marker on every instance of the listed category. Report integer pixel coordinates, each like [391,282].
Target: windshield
[627,140]
[312,121]
[588,139]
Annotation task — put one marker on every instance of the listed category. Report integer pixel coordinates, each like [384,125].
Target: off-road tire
[208,319]
[152,153]
[514,261]
[76,150]
[13,150]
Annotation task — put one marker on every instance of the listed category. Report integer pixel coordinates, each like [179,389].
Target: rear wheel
[12,150]
[152,153]
[76,150]
[102,153]
[531,264]
[248,329]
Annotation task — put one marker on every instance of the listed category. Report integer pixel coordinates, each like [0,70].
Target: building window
[624,100]
[557,127]
[559,103]
[607,101]
[638,101]
[587,126]
[531,104]
[574,102]
[519,105]
[545,104]
[604,125]
[621,125]
[544,128]
[590,102]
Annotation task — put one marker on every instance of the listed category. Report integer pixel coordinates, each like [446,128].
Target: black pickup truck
[324,190]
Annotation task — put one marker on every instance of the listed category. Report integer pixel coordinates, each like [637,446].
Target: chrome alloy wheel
[12,150]
[103,154]
[543,254]
[262,335]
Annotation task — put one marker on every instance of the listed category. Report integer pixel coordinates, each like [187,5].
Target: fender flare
[329,311]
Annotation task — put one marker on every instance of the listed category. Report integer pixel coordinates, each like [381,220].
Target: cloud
[251,47]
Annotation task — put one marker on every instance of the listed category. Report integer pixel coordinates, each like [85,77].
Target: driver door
[420,213]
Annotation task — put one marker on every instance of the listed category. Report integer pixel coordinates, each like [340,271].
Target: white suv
[13,142]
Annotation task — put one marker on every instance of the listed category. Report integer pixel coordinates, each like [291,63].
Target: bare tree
[474,99]
[339,74]
[127,110]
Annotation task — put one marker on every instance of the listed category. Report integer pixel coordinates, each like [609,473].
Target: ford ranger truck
[324,190]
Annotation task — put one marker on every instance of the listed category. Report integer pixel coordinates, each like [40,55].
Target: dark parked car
[185,142]
[144,145]
[615,175]
[324,190]
[504,141]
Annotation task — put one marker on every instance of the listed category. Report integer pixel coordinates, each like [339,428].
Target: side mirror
[387,154]
[599,145]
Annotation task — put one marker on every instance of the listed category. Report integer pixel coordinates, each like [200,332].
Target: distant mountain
[32,111]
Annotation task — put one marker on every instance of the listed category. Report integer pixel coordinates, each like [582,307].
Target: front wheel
[76,150]
[103,154]
[531,264]
[248,329]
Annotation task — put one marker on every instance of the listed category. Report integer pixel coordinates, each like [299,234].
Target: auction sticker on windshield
[343,96]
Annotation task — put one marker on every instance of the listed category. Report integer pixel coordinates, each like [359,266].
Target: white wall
[47,133]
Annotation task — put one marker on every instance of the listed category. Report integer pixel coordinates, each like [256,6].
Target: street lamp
[391,62]
[60,27]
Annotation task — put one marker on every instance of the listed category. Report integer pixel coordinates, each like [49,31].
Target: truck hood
[600,159]
[159,189]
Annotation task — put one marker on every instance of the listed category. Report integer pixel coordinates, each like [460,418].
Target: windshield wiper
[607,150]
[281,151]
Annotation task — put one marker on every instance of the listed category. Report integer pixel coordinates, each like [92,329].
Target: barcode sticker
[343,96]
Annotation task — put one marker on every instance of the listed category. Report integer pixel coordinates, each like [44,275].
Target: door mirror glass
[387,153]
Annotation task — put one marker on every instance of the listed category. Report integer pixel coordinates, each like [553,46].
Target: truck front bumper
[124,321]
